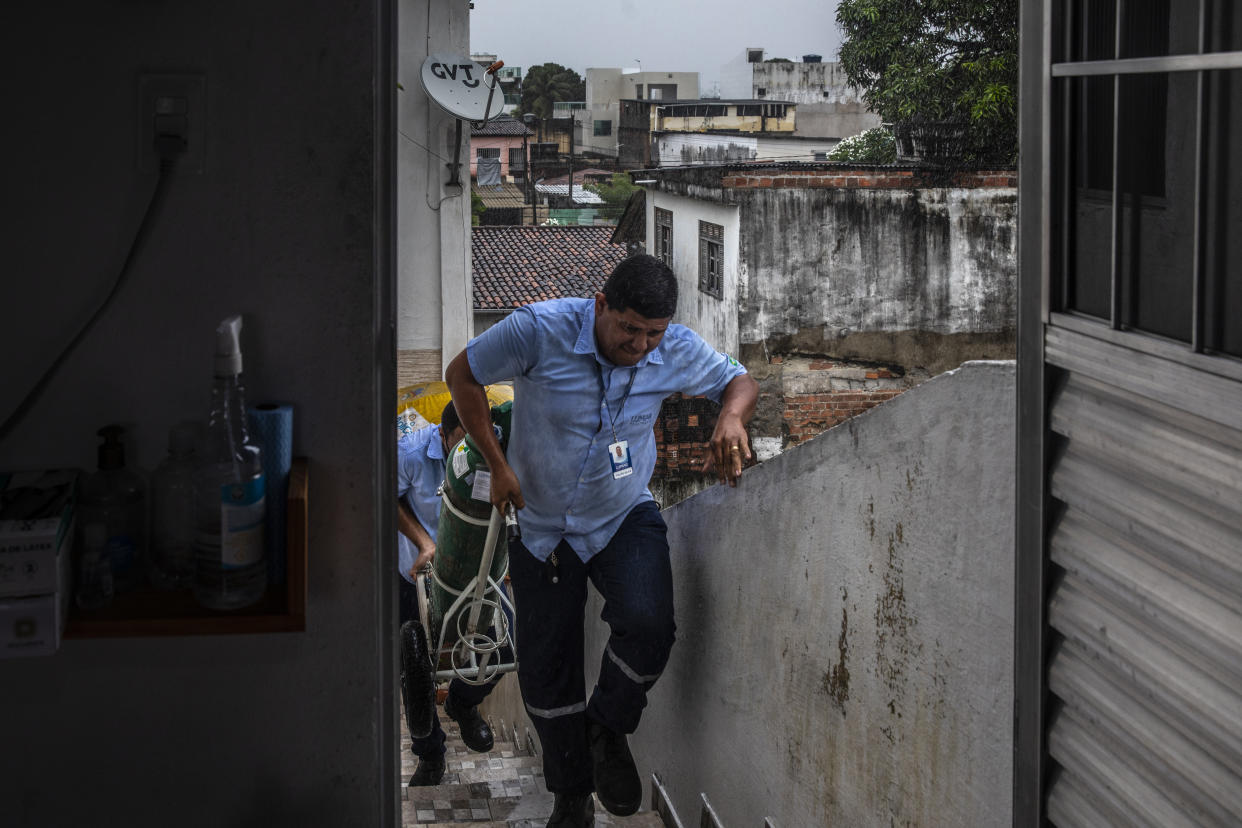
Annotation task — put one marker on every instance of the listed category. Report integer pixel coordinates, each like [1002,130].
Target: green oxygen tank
[462,535]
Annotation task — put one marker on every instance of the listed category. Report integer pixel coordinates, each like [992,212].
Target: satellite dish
[461,86]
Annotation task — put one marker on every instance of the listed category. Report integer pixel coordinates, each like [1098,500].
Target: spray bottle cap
[112,450]
[228,349]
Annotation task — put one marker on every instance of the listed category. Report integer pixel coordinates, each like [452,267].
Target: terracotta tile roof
[516,265]
[502,125]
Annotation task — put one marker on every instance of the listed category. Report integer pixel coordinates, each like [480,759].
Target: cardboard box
[36,530]
[33,625]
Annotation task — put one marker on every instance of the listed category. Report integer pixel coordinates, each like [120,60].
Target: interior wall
[844,648]
[286,225]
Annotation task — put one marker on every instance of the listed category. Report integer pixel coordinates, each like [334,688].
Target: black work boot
[616,779]
[428,773]
[572,811]
[474,731]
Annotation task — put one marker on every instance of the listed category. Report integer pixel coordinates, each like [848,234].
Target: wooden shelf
[152,612]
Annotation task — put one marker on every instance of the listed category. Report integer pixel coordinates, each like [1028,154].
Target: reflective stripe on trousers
[633,576]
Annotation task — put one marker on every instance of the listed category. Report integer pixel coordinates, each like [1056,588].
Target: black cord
[168,153]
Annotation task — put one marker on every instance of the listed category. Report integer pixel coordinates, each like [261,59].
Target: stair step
[500,789]
[483,761]
[477,804]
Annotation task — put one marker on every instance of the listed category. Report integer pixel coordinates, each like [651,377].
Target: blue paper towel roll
[271,426]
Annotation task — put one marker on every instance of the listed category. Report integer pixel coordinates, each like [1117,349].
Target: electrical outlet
[173,105]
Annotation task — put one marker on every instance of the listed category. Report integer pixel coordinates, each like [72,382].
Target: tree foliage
[477,208]
[875,146]
[546,84]
[615,193]
[938,61]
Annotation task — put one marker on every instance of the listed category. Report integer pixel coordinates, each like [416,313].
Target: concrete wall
[803,83]
[676,149]
[845,644]
[835,121]
[433,256]
[284,225]
[913,276]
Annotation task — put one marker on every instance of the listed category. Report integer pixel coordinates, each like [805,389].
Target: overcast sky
[665,35]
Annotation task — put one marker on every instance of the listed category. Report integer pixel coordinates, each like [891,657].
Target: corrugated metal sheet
[1145,671]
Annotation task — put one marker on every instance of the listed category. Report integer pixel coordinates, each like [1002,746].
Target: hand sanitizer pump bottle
[229,568]
[116,497]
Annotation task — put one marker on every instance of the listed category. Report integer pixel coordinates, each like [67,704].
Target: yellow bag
[421,405]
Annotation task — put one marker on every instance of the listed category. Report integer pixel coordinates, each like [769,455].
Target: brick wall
[877,178]
[821,393]
[814,395]
[682,434]
[807,415]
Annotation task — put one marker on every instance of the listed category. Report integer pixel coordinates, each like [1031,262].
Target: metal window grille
[1144,146]
[1127,646]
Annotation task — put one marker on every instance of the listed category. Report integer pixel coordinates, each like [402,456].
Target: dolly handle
[485,566]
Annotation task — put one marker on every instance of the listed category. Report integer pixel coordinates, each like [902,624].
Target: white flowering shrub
[875,146]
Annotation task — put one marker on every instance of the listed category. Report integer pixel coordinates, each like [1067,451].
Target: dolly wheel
[418,689]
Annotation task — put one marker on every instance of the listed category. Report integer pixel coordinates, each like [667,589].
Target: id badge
[619,456]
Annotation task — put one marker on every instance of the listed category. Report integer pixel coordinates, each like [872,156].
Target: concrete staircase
[500,789]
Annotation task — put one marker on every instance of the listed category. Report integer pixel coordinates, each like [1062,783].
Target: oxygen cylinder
[462,535]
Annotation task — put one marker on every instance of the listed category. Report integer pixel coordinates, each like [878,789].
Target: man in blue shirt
[420,471]
[589,378]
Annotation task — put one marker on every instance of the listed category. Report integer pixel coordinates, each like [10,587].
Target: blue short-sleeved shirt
[561,432]
[420,471]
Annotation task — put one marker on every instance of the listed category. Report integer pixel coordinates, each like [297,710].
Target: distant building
[509,78]
[607,88]
[828,107]
[715,131]
[503,139]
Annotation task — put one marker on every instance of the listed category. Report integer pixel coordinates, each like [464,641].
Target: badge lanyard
[619,450]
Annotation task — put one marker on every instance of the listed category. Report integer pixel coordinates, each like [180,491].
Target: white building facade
[699,240]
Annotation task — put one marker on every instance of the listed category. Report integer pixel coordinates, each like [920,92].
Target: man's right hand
[506,489]
[426,554]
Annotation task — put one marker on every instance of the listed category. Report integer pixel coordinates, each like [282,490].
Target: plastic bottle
[172,511]
[116,497]
[95,587]
[230,571]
